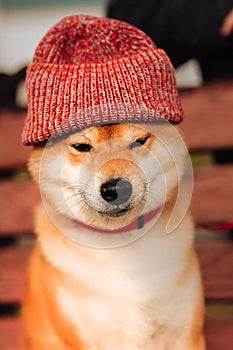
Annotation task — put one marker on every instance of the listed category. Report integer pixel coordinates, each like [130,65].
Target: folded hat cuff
[64,98]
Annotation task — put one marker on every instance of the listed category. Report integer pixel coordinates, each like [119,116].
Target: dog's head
[106,176]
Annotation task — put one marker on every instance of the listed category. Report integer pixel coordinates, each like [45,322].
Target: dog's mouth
[112,203]
[117,212]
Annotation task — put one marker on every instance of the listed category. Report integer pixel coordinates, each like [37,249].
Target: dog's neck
[139,258]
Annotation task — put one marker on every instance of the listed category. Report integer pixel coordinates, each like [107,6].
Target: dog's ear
[34,161]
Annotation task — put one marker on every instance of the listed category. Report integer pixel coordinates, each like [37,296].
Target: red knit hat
[89,71]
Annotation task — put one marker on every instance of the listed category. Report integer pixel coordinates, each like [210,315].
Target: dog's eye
[138,142]
[82,147]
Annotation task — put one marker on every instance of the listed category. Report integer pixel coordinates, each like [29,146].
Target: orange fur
[80,298]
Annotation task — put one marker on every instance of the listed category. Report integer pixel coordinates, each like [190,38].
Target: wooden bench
[208,127]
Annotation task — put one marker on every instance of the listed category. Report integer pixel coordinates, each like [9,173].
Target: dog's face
[106,176]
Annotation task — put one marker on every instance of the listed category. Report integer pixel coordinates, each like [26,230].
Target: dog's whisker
[94,220]
[77,202]
[76,186]
[73,190]
[72,195]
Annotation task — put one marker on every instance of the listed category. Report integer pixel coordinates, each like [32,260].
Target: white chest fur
[126,298]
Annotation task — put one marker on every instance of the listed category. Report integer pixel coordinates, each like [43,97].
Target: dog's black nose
[116,191]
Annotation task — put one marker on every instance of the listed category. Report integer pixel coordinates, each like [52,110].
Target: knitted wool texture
[89,71]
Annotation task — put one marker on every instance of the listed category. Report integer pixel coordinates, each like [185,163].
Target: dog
[118,289]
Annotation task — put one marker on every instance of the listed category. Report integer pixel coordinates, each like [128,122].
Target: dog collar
[137,224]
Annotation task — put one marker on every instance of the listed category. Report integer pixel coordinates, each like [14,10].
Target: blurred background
[24,22]
[197,35]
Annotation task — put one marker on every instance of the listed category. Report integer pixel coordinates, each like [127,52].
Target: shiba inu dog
[144,295]
[114,266]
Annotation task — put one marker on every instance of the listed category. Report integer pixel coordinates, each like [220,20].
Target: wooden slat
[17,200]
[213,193]
[216,263]
[218,334]
[209,116]
[13,267]
[12,152]
[11,334]
[216,259]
